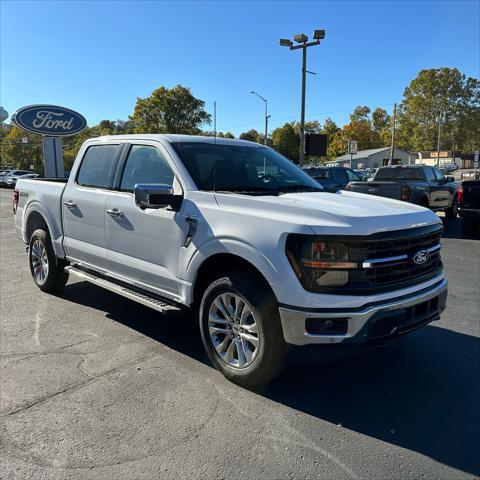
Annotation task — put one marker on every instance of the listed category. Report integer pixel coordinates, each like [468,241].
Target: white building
[374,158]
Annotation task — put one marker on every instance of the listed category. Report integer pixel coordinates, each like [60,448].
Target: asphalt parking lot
[94,386]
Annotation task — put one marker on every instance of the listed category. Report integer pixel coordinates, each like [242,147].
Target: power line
[289,118]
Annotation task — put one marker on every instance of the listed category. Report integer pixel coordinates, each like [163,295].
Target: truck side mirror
[149,195]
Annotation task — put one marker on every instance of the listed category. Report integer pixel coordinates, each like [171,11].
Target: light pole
[303,43]
[267,116]
[441,117]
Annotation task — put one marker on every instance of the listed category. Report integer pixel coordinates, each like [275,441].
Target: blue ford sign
[49,120]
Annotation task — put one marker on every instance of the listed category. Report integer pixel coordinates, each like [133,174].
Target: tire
[47,270]
[424,203]
[451,212]
[246,362]
[469,227]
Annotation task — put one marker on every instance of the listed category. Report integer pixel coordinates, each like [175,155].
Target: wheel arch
[36,216]
[215,265]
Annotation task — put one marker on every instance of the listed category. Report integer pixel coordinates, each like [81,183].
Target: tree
[252,136]
[173,110]
[440,92]
[330,127]
[360,114]
[13,151]
[286,140]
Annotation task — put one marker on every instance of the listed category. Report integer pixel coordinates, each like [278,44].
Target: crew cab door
[84,200]
[445,190]
[439,192]
[144,244]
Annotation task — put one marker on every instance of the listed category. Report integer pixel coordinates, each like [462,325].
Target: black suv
[333,179]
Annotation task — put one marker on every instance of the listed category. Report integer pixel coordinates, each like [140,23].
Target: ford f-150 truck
[419,184]
[242,237]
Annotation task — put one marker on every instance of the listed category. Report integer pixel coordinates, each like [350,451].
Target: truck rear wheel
[47,270]
[241,329]
[451,212]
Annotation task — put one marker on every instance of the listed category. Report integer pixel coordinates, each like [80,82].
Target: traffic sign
[352,147]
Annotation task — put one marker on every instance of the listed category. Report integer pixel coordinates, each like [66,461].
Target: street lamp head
[319,34]
[285,42]
[300,38]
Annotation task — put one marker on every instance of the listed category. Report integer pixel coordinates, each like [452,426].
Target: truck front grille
[388,260]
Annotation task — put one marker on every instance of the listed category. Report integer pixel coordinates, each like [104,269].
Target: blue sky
[98,57]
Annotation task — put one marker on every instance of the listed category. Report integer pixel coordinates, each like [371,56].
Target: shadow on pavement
[420,392]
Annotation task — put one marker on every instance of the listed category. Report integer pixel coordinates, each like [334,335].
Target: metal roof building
[374,158]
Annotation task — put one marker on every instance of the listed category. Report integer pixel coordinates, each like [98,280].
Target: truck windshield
[239,168]
[401,173]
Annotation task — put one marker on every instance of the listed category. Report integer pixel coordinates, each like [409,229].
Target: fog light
[327,326]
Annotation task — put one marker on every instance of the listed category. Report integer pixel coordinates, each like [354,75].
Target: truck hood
[340,213]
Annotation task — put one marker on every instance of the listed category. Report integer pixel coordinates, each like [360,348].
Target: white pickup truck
[240,235]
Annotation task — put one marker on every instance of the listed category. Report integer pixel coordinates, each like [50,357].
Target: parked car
[333,178]
[238,234]
[3,177]
[419,184]
[362,174]
[449,167]
[14,174]
[12,179]
[469,206]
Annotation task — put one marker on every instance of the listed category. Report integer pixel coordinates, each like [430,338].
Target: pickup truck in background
[240,236]
[333,178]
[469,206]
[419,184]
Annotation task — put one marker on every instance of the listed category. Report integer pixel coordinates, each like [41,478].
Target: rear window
[98,166]
[399,174]
[318,173]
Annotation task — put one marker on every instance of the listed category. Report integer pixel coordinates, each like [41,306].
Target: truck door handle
[70,204]
[115,212]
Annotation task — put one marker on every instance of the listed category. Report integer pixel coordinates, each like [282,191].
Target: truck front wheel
[241,329]
[46,269]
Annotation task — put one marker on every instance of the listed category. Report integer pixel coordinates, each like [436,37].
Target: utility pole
[215,120]
[267,116]
[392,147]
[438,139]
[302,40]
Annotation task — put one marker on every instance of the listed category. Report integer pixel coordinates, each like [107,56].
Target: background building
[463,160]
[374,158]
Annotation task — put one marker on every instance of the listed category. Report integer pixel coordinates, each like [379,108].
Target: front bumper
[372,322]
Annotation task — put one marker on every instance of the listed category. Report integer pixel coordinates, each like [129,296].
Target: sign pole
[53,157]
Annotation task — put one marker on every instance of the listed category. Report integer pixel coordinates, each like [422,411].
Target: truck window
[438,175]
[98,166]
[399,173]
[145,164]
[429,174]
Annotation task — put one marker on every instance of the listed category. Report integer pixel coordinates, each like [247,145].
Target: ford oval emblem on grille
[421,257]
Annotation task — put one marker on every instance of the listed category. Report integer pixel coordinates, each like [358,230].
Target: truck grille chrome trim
[397,259]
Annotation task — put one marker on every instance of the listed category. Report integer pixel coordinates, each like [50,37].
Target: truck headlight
[319,263]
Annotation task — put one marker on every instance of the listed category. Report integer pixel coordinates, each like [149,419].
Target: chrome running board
[157,304]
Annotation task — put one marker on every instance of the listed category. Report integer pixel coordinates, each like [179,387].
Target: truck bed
[46,194]
[383,189]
